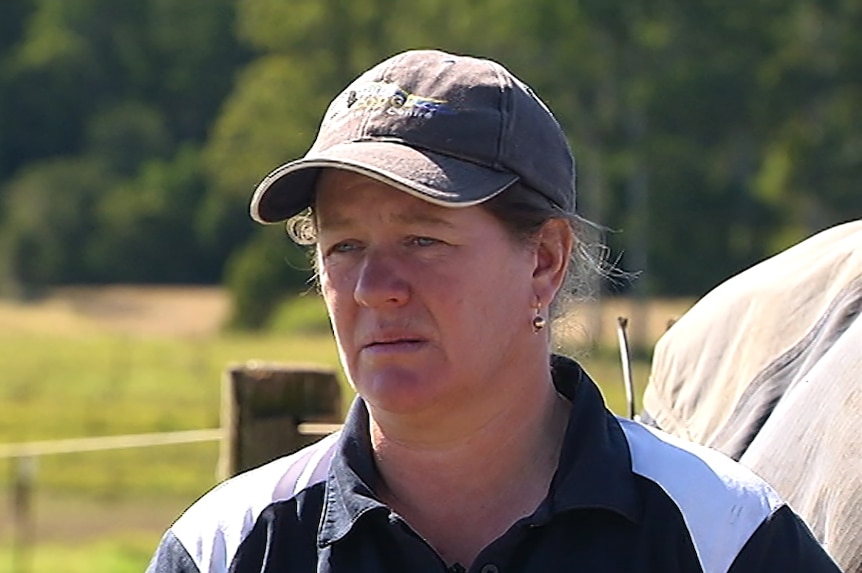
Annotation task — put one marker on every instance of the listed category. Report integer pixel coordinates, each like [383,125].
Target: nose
[380,282]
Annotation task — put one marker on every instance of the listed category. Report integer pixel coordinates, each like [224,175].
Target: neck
[462,492]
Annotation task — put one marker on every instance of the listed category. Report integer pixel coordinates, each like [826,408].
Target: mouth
[394,344]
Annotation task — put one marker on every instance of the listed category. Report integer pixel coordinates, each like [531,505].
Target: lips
[393,341]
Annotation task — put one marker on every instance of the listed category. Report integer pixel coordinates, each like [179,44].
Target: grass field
[94,362]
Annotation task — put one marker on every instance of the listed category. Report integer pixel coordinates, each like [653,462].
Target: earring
[538,321]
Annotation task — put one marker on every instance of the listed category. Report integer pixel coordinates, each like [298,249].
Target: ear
[554,243]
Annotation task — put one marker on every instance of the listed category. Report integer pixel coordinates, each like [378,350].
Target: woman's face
[431,306]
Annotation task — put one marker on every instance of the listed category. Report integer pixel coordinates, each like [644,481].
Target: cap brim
[436,178]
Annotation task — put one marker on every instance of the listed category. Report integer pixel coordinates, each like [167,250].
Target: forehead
[343,196]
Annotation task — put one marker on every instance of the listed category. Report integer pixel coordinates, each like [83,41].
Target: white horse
[767,368]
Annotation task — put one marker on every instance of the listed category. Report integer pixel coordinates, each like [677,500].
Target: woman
[442,210]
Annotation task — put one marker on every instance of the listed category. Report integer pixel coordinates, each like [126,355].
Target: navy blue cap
[452,130]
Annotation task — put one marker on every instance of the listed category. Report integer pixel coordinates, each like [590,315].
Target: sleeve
[783,543]
[171,557]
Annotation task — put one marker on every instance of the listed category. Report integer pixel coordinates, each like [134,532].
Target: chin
[399,390]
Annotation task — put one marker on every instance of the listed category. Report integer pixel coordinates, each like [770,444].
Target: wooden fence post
[24,469]
[263,406]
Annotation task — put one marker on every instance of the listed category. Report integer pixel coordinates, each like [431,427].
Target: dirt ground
[158,311]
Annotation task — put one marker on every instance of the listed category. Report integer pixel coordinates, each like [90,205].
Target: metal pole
[625,357]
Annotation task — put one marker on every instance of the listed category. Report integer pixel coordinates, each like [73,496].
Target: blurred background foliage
[709,134]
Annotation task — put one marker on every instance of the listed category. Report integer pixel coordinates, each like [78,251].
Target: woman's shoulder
[212,528]
[684,465]
[722,502]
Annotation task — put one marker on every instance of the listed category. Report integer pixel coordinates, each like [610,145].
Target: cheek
[336,280]
[500,296]
[467,308]
[337,295]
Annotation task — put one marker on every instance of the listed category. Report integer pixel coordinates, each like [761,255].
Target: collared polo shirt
[624,498]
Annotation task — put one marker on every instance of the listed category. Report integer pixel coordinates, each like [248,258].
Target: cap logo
[388,98]
[411,105]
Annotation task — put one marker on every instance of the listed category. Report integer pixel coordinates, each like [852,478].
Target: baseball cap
[452,130]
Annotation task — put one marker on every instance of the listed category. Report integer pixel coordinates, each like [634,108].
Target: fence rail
[263,406]
[95,444]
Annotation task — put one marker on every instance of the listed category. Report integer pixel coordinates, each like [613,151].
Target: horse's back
[766,368]
[810,449]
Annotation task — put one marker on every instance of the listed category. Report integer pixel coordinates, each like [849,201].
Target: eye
[343,247]
[423,241]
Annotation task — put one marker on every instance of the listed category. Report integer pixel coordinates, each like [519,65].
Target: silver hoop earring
[539,321]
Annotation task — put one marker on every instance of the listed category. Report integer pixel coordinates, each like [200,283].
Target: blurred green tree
[708,135]
[53,206]
[136,85]
[144,228]
[266,270]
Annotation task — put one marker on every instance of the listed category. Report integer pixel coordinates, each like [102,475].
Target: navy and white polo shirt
[625,498]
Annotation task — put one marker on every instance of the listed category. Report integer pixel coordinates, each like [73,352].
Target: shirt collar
[594,471]
[352,478]
[595,468]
